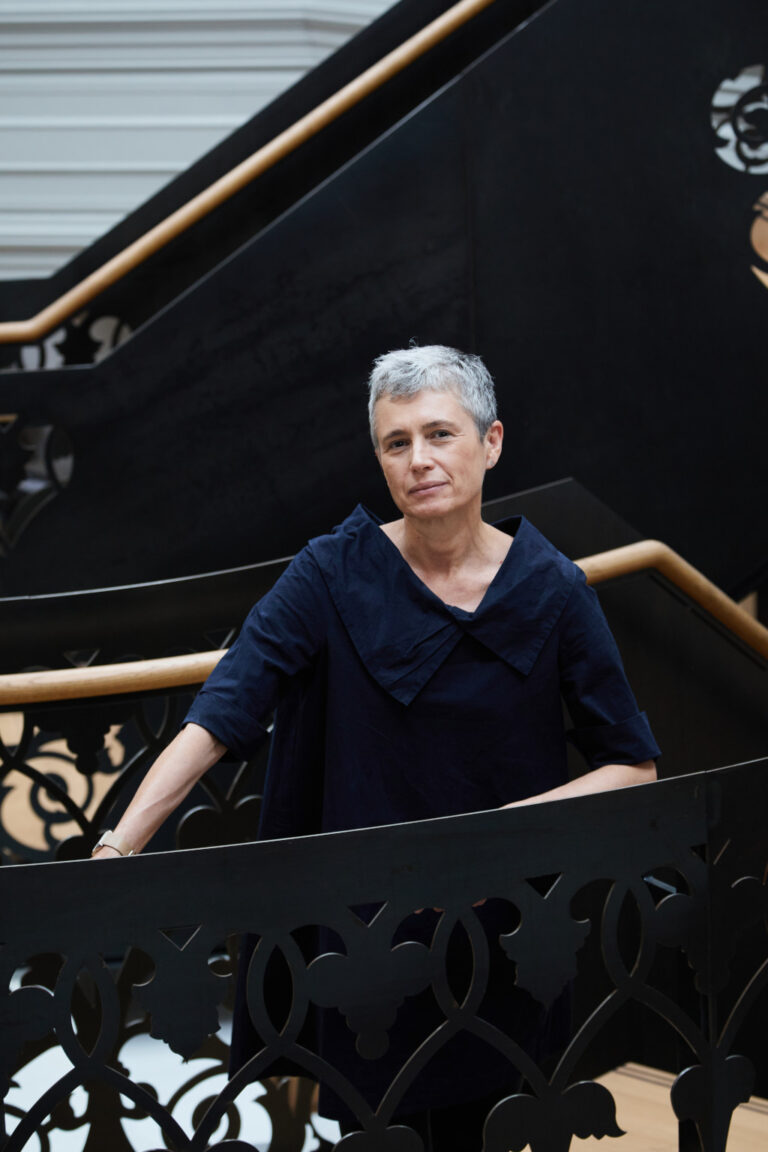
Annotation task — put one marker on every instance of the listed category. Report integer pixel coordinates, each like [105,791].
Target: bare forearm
[174,773]
[598,780]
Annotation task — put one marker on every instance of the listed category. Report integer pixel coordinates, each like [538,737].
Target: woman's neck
[457,561]
[439,547]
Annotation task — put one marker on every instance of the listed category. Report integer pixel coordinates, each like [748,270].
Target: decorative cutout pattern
[739,116]
[146,950]
[36,463]
[65,771]
[83,339]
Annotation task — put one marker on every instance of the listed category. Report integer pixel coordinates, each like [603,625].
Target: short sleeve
[607,726]
[281,636]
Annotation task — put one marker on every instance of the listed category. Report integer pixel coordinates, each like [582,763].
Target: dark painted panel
[234,426]
[569,515]
[612,261]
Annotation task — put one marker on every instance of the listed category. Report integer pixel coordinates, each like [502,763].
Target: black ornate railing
[67,771]
[649,903]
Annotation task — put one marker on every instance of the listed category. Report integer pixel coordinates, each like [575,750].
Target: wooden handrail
[184,671]
[17,331]
[108,679]
[653,554]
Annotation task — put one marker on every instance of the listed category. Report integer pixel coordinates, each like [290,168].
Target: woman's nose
[420,454]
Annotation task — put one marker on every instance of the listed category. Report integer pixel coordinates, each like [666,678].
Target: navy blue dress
[391,705]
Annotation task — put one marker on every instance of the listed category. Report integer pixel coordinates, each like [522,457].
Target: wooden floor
[644,1112]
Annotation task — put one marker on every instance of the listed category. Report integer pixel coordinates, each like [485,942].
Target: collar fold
[402,632]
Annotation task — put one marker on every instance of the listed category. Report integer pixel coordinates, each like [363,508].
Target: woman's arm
[598,780]
[612,736]
[280,638]
[174,773]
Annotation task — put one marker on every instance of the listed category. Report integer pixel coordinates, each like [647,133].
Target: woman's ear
[493,441]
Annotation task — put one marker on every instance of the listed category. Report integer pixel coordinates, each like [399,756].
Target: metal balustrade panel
[68,770]
[96,947]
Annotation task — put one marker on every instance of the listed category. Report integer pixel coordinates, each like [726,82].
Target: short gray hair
[438,369]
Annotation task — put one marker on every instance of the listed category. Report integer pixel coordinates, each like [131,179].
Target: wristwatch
[109,840]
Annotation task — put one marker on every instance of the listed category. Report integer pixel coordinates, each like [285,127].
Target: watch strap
[109,839]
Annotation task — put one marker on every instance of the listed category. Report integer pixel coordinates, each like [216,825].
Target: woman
[417,666]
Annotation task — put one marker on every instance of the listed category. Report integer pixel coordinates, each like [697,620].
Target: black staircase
[559,205]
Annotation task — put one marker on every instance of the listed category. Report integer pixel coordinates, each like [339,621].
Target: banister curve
[185,671]
[19,331]
[668,563]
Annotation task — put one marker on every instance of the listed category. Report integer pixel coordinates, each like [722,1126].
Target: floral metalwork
[82,339]
[36,463]
[549,1122]
[147,945]
[740,118]
[65,771]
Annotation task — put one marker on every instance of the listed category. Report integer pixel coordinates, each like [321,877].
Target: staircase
[507,194]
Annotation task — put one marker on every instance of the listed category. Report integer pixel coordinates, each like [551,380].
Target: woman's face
[431,454]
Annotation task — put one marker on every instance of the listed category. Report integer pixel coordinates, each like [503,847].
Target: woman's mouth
[427,486]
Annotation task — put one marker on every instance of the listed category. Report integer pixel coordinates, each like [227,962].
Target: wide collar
[403,632]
